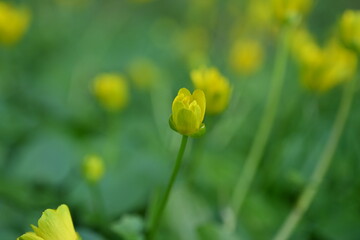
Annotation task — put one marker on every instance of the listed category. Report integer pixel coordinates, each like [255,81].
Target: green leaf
[130,227]
[185,211]
[53,153]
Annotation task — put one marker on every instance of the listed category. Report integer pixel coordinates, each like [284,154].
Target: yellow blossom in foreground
[93,168]
[13,23]
[215,86]
[290,10]
[53,225]
[246,56]
[188,111]
[337,66]
[144,73]
[350,29]
[111,90]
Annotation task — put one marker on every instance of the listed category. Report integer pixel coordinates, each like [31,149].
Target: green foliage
[50,120]
[130,227]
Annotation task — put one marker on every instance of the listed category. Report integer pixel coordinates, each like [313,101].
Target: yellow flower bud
[93,168]
[13,23]
[215,86]
[289,11]
[111,90]
[188,111]
[246,56]
[338,65]
[350,29]
[144,73]
[53,225]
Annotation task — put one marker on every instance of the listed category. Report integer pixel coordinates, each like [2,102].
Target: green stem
[262,135]
[99,208]
[160,209]
[322,166]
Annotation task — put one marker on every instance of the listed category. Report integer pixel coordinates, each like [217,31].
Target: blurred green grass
[49,121]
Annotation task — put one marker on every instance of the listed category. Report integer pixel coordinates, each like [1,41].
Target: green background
[49,121]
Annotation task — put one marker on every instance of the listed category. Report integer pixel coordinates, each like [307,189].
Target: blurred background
[54,113]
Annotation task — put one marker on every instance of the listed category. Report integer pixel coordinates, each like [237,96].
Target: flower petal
[199,97]
[29,236]
[56,225]
[176,106]
[184,91]
[186,122]
[195,108]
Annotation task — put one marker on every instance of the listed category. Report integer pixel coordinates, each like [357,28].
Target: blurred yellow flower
[337,66]
[93,168]
[202,4]
[13,23]
[215,86]
[111,90]
[350,29]
[258,16]
[246,56]
[144,73]
[322,68]
[53,225]
[188,111]
[305,49]
[286,11]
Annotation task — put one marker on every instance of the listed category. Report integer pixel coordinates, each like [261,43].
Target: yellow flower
[13,23]
[305,50]
[111,90]
[258,15]
[337,66]
[93,168]
[202,4]
[53,225]
[215,86]
[286,11]
[322,68]
[188,111]
[350,29]
[246,56]
[144,73]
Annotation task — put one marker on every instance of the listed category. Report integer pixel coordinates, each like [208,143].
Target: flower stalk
[322,166]
[160,209]
[263,133]
[98,204]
